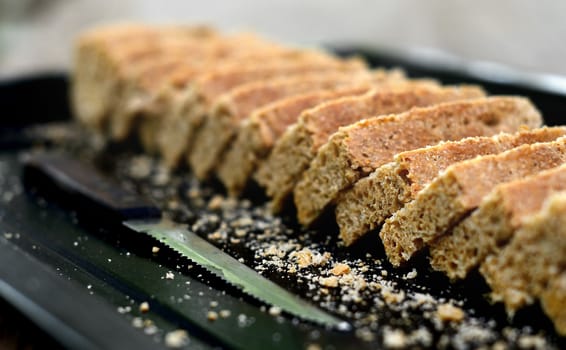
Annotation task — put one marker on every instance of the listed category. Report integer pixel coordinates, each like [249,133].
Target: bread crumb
[468,333]
[330,282]
[193,193]
[173,204]
[242,222]
[532,342]
[212,315]
[161,177]
[225,313]
[306,257]
[140,167]
[314,347]
[215,202]
[421,336]
[499,345]
[169,275]
[394,339]
[144,307]
[374,286]
[340,269]
[320,259]
[213,303]
[240,233]
[303,257]
[137,322]
[176,338]
[391,297]
[155,250]
[275,311]
[124,309]
[150,329]
[242,320]
[365,334]
[411,274]
[449,313]
[215,236]
[271,250]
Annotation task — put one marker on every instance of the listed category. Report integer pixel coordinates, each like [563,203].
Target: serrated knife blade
[87,190]
[216,261]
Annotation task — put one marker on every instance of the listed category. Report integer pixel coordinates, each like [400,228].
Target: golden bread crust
[457,191]
[375,198]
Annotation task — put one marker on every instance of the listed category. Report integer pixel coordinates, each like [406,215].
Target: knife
[92,193]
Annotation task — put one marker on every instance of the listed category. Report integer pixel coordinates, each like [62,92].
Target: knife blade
[92,193]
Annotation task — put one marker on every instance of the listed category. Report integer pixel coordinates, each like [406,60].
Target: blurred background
[37,35]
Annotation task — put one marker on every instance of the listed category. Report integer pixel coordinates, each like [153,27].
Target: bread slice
[534,260]
[294,151]
[527,247]
[104,56]
[479,238]
[254,139]
[179,128]
[176,67]
[219,128]
[553,300]
[148,94]
[152,96]
[376,197]
[257,134]
[459,190]
[358,149]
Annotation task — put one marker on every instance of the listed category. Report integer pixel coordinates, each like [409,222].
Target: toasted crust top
[417,126]
[422,165]
[536,188]
[213,84]
[476,176]
[244,99]
[325,119]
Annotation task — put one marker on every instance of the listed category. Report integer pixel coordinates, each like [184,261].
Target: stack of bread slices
[476,180]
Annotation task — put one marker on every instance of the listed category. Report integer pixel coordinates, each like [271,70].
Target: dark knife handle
[83,188]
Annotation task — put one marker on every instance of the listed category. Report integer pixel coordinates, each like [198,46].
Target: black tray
[72,282]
